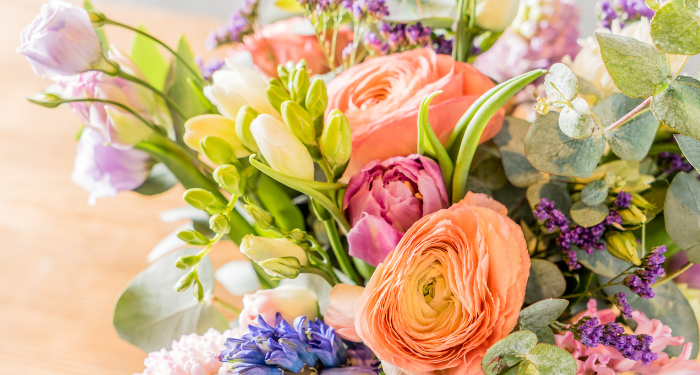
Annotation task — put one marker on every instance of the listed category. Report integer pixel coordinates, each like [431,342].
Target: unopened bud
[301,83]
[185,281]
[46,100]
[244,118]
[192,237]
[227,177]
[299,122]
[641,202]
[335,141]
[632,216]
[219,224]
[262,218]
[316,98]
[542,106]
[187,261]
[277,95]
[259,249]
[198,198]
[623,245]
[216,149]
[287,267]
[198,291]
[283,75]
[297,235]
[97,17]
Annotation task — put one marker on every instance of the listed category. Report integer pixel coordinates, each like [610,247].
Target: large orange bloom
[453,287]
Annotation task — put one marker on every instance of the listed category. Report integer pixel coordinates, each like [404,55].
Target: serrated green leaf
[691,149]
[537,317]
[159,180]
[588,216]
[150,314]
[682,211]
[276,201]
[676,30]
[638,69]
[545,281]
[511,146]
[552,360]
[561,84]
[601,262]
[147,57]
[679,106]
[632,140]
[594,193]
[507,352]
[432,22]
[551,151]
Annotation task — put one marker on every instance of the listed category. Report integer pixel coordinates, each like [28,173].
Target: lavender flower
[623,199]
[239,24]
[209,67]
[624,10]
[367,10]
[591,333]
[550,217]
[640,283]
[673,162]
[442,45]
[620,300]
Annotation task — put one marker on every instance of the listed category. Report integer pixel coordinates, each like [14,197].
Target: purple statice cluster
[288,348]
[401,37]
[672,162]
[320,6]
[622,10]
[442,45]
[591,333]
[207,68]
[623,200]
[642,280]
[239,24]
[620,300]
[366,10]
[551,218]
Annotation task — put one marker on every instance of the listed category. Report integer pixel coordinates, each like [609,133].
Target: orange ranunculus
[453,287]
[292,39]
[381,97]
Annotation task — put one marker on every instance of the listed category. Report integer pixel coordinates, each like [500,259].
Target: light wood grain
[63,262]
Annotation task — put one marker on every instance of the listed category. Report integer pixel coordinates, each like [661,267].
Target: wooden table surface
[63,262]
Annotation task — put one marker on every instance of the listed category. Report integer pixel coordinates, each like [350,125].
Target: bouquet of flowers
[402,212]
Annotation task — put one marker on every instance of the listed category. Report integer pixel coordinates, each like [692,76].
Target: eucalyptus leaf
[691,5]
[594,193]
[670,307]
[693,255]
[638,69]
[679,106]
[586,87]
[550,150]
[682,211]
[691,149]
[159,180]
[576,121]
[588,216]
[537,317]
[545,281]
[632,140]
[676,29]
[511,146]
[553,191]
[508,352]
[560,84]
[150,314]
[601,262]
[552,360]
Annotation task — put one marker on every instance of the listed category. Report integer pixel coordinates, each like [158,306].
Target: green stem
[226,305]
[339,250]
[147,85]
[110,102]
[464,37]
[673,274]
[331,280]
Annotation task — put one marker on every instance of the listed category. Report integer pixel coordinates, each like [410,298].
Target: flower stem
[673,274]
[147,85]
[331,280]
[339,250]
[227,306]
[633,113]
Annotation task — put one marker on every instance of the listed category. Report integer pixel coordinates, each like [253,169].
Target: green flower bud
[216,149]
[335,141]
[188,261]
[641,202]
[316,98]
[623,245]
[277,95]
[262,218]
[219,224]
[46,100]
[287,267]
[185,281]
[283,75]
[198,198]
[244,118]
[192,237]
[632,216]
[198,291]
[301,84]
[299,122]
[227,177]
[296,235]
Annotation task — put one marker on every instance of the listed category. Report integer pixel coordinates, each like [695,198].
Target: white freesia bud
[236,86]
[281,148]
[291,301]
[496,15]
[259,249]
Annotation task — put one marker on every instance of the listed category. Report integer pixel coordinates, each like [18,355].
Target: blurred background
[62,261]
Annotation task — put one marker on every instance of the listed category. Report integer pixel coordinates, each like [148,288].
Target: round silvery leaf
[594,193]
[560,84]
[576,121]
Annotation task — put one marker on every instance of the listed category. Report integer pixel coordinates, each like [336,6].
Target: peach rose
[340,313]
[291,40]
[381,96]
[451,289]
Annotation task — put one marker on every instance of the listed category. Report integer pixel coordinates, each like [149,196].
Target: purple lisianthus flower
[103,171]
[61,41]
[384,199]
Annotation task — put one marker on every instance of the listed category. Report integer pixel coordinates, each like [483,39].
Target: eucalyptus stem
[339,250]
[673,274]
[333,280]
[629,116]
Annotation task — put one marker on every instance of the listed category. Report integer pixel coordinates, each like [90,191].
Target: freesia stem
[339,250]
[629,116]
[673,274]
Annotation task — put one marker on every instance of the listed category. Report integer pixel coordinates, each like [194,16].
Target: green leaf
[632,140]
[691,149]
[431,22]
[552,360]
[511,146]
[594,193]
[545,281]
[560,84]
[277,202]
[679,106]
[656,195]
[527,368]
[653,4]
[428,141]
[553,191]
[537,317]
[670,307]
[147,57]
[601,262]
[576,121]
[638,69]
[508,351]
[291,6]
[588,216]
[150,314]
[676,29]
[159,180]
[682,211]
[551,151]
[179,90]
